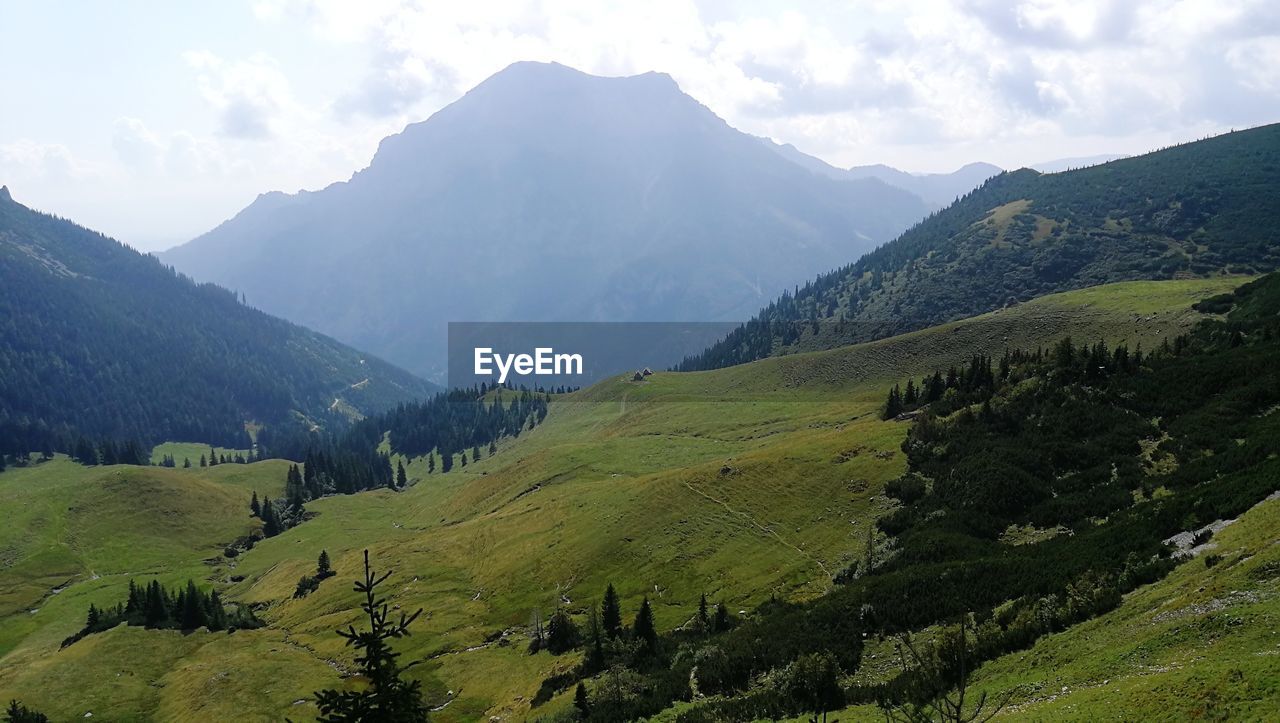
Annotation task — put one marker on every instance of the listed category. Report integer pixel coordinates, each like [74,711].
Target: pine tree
[19,713]
[186,463]
[203,462]
[401,478]
[893,407]
[643,629]
[704,617]
[431,463]
[323,569]
[562,633]
[193,610]
[255,507]
[388,697]
[270,523]
[721,621]
[581,701]
[475,453]
[611,612]
[93,618]
[493,448]
[213,457]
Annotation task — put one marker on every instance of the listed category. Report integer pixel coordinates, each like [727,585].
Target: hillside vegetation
[100,341]
[1198,209]
[747,483]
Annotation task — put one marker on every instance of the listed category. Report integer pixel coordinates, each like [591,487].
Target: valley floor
[744,483]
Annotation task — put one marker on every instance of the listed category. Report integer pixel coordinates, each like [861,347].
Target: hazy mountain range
[547,194]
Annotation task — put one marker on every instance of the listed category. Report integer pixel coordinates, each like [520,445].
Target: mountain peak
[4,194]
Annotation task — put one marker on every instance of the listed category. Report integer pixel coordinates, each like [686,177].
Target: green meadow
[743,483]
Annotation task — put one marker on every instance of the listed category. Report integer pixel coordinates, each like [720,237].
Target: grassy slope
[651,486]
[1199,644]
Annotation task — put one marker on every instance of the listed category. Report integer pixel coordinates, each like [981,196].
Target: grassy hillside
[1199,644]
[742,483]
[1198,209]
[99,340]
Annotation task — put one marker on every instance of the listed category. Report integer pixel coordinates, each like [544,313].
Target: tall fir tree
[388,697]
[644,629]
[611,612]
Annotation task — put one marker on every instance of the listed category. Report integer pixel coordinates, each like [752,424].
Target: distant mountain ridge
[1198,209]
[935,189]
[99,340]
[546,194]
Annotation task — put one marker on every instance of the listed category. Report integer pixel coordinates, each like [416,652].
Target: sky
[154,122]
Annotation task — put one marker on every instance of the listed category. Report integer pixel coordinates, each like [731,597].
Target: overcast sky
[153,122]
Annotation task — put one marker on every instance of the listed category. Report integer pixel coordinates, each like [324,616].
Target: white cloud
[926,85]
[249,95]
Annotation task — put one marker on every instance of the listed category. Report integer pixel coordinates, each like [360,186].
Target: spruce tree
[704,617]
[581,701]
[255,507]
[186,463]
[893,407]
[19,713]
[323,568]
[203,462]
[402,479]
[493,448]
[611,612]
[193,609]
[270,524]
[388,696]
[431,462]
[721,621]
[643,629]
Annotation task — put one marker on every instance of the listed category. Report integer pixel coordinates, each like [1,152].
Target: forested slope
[1197,209]
[97,339]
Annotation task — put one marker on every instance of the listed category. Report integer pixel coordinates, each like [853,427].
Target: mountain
[1197,209]
[546,194]
[1068,164]
[97,339]
[935,189]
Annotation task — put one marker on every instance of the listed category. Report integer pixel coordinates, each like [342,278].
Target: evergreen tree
[270,523]
[893,407]
[910,397]
[323,568]
[704,617]
[401,478]
[93,618]
[493,448]
[388,696]
[611,612]
[562,633]
[193,611]
[255,507]
[581,701]
[203,462]
[475,453]
[431,463]
[643,629]
[19,713]
[721,621]
[213,457]
[186,463]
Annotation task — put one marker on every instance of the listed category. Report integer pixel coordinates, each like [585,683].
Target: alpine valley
[1017,455]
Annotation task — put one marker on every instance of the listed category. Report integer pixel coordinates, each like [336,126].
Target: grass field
[741,483]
